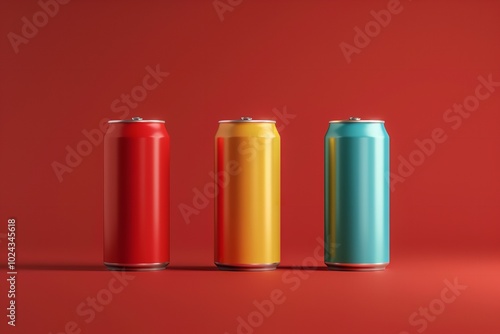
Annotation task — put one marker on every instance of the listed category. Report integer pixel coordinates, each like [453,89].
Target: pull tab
[246,118]
[354,118]
[137,118]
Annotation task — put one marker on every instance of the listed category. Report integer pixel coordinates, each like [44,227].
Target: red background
[264,56]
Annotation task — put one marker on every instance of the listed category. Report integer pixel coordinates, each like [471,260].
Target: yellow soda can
[247,200]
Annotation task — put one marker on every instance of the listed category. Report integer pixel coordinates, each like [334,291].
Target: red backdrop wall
[303,63]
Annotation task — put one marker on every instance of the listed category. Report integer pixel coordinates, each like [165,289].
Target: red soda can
[136,195]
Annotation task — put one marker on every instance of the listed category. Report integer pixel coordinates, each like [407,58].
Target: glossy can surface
[136,195]
[357,195]
[247,205]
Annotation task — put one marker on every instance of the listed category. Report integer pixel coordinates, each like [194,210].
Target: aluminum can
[136,195]
[357,195]
[247,201]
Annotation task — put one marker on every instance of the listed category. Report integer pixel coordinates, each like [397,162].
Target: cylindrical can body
[136,195]
[247,205]
[357,195]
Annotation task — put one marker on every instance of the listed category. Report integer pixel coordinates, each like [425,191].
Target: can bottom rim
[136,267]
[247,267]
[356,266]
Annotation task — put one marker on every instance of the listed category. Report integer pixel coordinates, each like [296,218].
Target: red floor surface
[416,294]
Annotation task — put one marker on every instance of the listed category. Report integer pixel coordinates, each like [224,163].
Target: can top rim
[247,121]
[136,121]
[358,121]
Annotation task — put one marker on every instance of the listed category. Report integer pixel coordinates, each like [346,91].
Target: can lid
[353,119]
[136,119]
[246,119]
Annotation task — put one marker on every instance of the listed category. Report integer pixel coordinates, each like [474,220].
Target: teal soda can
[357,195]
